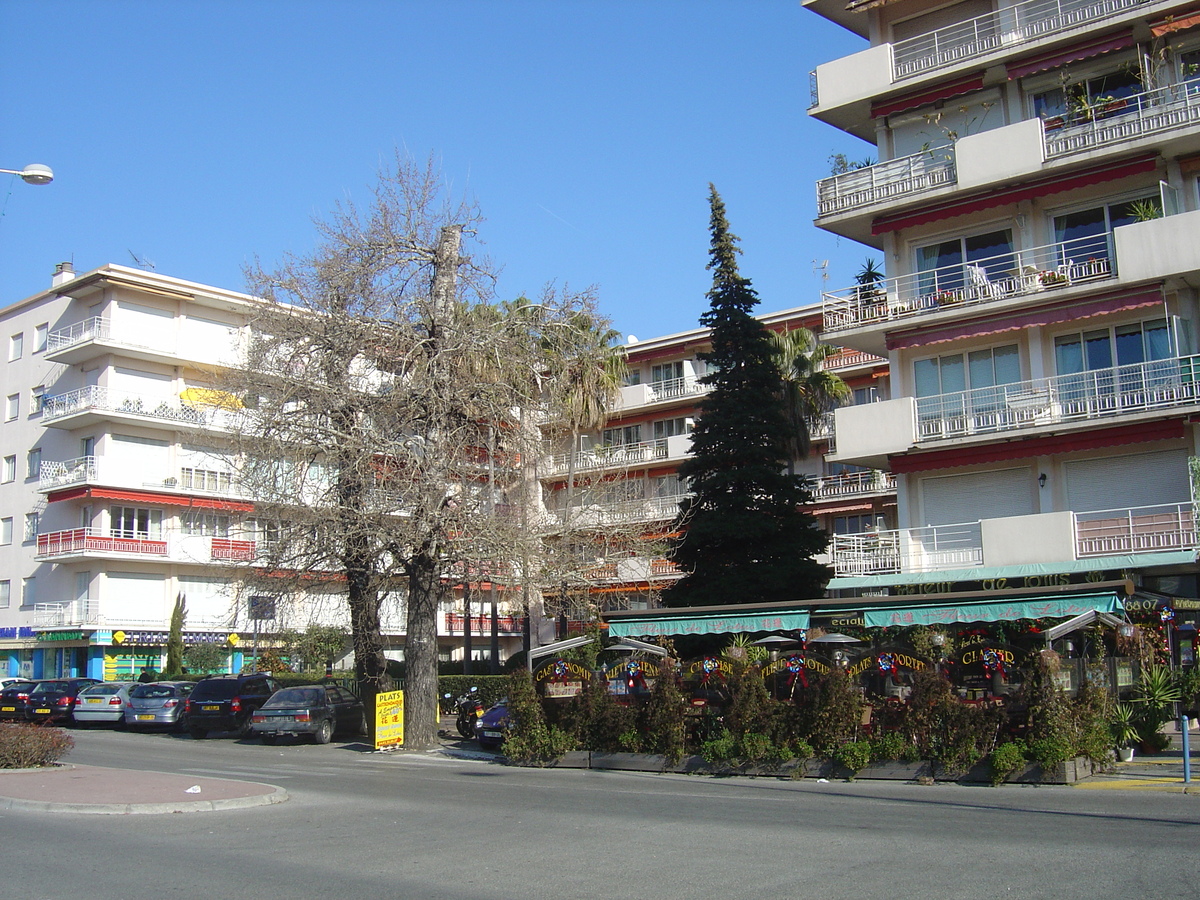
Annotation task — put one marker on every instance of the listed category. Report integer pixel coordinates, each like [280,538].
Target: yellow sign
[233,640]
[389,719]
[118,637]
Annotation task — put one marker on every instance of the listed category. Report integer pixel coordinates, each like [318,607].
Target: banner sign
[389,719]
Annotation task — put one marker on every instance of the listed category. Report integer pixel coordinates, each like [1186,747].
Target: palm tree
[807,391]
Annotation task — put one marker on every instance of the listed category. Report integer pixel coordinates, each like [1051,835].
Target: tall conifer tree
[743,535]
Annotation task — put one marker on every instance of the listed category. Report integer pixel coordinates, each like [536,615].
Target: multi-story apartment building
[626,471]
[1035,199]
[116,497]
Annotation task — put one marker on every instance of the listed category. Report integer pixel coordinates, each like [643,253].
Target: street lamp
[33,173]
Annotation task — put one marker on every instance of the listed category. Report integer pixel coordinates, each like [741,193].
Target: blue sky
[198,135]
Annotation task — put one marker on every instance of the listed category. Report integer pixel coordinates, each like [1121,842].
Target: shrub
[1050,751]
[662,719]
[32,746]
[854,755]
[892,745]
[721,750]
[831,713]
[1006,759]
[532,739]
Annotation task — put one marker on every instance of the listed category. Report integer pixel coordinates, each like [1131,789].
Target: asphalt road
[367,825]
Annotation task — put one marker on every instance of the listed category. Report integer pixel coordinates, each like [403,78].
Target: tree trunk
[420,655]
[370,664]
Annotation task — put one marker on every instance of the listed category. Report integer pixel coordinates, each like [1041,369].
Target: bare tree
[379,375]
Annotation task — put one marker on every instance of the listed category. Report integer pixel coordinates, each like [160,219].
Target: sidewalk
[1155,772]
[97,790]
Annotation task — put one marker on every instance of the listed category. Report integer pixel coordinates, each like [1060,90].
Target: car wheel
[198,734]
[180,725]
[323,733]
[269,739]
[243,727]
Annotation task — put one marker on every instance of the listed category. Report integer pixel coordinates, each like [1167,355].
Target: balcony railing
[1004,27]
[846,359]
[93,329]
[1143,529]
[81,470]
[65,615]
[614,455]
[483,624]
[900,177]
[986,280]
[1095,394]
[854,484]
[1124,119]
[651,509]
[163,545]
[674,388]
[925,549]
[95,398]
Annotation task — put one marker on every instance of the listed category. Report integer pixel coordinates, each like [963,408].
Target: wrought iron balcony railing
[1114,121]
[888,180]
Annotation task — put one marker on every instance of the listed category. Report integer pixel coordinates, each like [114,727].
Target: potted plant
[1124,730]
[1156,694]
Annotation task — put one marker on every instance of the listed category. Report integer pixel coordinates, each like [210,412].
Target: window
[206,524]
[205,480]
[1123,345]
[134,522]
[980,369]
[16,346]
[10,469]
[667,371]
[31,526]
[28,591]
[12,407]
[865,395]
[33,463]
[943,266]
[633,376]
[1083,236]
[617,437]
[6,530]
[1087,100]
[5,594]
[668,486]
[665,428]
[37,400]
[853,524]
[39,337]
[262,531]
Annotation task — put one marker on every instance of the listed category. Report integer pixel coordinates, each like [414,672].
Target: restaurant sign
[53,636]
[560,678]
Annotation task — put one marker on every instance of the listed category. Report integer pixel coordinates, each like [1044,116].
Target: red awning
[927,95]
[1054,59]
[1030,190]
[1050,315]
[818,510]
[152,497]
[1171,24]
[1166,429]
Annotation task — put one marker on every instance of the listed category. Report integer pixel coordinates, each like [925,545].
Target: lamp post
[34,173]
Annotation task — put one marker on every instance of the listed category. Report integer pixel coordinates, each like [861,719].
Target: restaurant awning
[731,619]
[1053,606]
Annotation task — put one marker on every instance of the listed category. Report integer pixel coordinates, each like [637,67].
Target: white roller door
[136,460]
[1124,482]
[144,326]
[955,499]
[135,381]
[208,339]
[210,601]
[132,597]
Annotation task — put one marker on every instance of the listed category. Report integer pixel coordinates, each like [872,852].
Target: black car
[226,702]
[314,709]
[13,699]
[54,701]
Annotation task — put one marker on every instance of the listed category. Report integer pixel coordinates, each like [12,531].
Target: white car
[104,703]
[9,680]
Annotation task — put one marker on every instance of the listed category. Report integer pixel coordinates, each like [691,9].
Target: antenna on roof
[141,262]
[823,268]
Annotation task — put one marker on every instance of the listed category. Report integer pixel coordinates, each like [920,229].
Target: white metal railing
[1002,28]
[674,388]
[1095,394]
[853,484]
[846,359]
[59,615]
[1123,119]
[93,329]
[886,180]
[162,544]
[985,280]
[647,510]
[613,455]
[926,549]
[1142,529]
[95,397]
[81,470]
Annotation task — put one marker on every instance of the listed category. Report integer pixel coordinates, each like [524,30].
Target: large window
[977,369]
[1083,236]
[135,522]
[206,524]
[1103,348]
[944,266]
[665,428]
[1086,100]
[667,371]
[617,437]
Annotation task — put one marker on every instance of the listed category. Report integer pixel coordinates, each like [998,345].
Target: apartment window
[665,428]
[205,480]
[37,400]
[668,486]
[16,346]
[10,469]
[5,594]
[1083,236]
[263,531]
[633,376]
[206,524]
[667,371]
[28,591]
[977,369]
[31,526]
[943,266]
[1087,100]
[1122,345]
[135,522]
[616,437]
[865,395]
[853,524]
[33,463]
[12,407]
[6,530]
[39,337]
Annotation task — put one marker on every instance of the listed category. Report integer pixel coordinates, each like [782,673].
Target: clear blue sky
[199,135]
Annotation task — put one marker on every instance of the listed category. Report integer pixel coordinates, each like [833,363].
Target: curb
[128,809]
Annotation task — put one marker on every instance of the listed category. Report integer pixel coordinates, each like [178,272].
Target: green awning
[1055,606]
[668,626]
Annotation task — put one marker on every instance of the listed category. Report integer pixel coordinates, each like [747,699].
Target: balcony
[93,404]
[95,336]
[653,509]
[852,359]
[482,625]
[1017,273]
[1048,538]
[896,178]
[1006,27]
[1085,396]
[85,470]
[635,569]
[854,484]
[67,615]
[635,395]
[621,456]
[1125,119]
[84,543]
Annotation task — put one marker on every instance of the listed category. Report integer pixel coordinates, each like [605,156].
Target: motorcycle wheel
[466,727]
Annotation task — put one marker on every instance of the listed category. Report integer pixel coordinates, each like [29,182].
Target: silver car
[104,703]
[158,704]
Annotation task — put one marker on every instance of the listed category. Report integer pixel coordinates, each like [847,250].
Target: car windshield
[106,689]
[47,687]
[152,691]
[216,689]
[297,697]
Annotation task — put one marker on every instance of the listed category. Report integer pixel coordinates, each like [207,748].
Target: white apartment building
[115,497]
[1035,200]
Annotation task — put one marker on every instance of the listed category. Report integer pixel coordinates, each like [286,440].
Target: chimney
[63,273]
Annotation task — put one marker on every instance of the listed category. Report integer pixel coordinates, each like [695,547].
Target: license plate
[493,734]
[211,708]
[278,720]
[8,709]
[41,712]
[141,718]
[94,700]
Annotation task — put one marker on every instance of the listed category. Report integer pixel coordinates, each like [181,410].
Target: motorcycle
[468,708]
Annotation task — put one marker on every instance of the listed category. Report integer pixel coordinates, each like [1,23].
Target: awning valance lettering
[1051,607]
[699,624]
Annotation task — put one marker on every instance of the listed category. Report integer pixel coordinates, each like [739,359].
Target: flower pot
[1125,754]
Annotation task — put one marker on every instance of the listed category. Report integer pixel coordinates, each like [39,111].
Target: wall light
[1042,480]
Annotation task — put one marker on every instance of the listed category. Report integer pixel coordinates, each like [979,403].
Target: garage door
[954,499]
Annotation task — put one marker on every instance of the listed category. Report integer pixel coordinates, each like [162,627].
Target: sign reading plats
[389,719]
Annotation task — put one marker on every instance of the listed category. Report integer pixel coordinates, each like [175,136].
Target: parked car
[312,709]
[8,681]
[226,702]
[54,701]
[104,703]
[492,727]
[13,699]
[158,704]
